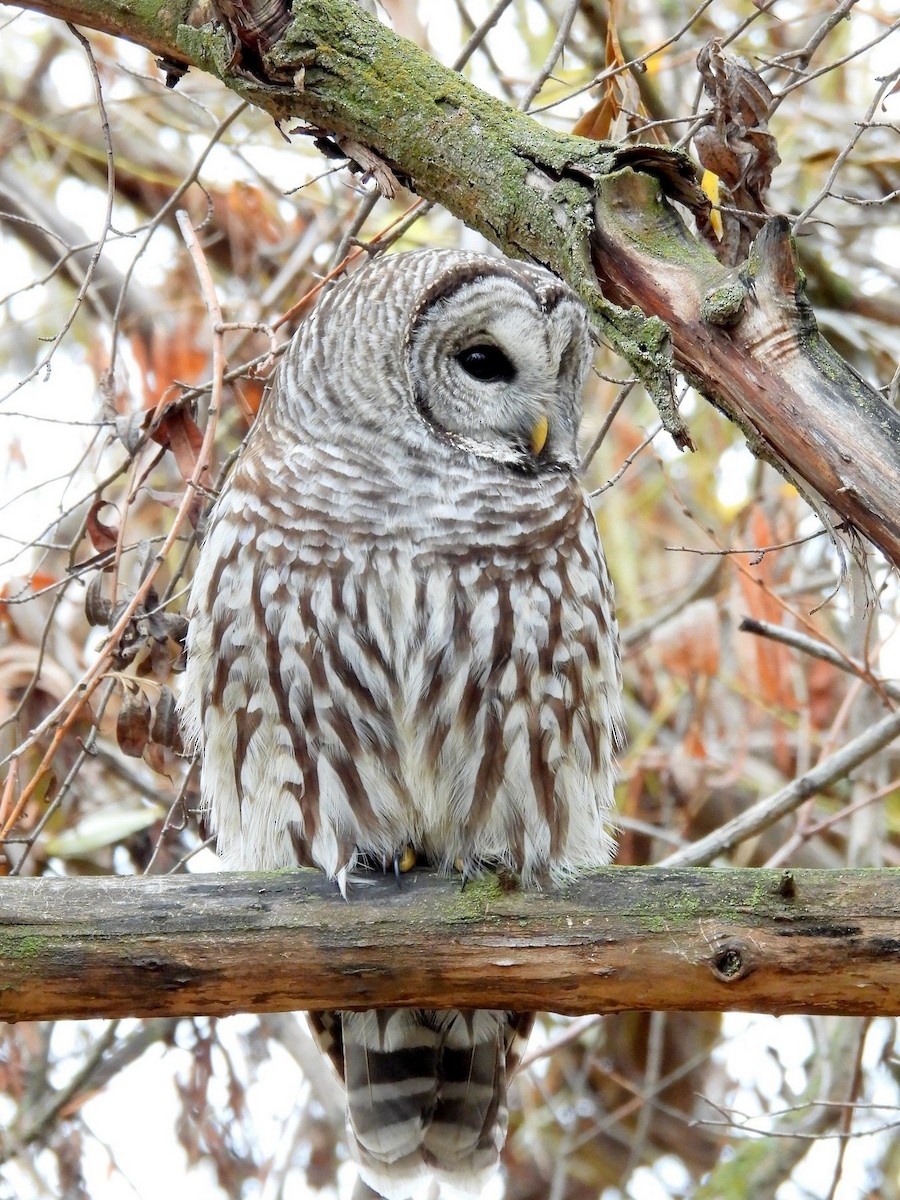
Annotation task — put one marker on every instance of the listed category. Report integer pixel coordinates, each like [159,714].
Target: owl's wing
[291,701]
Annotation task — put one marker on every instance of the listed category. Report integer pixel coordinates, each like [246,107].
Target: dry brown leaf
[166,727]
[133,723]
[103,537]
[736,146]
[162,760]
[620,109]
[181,434]
[97,609]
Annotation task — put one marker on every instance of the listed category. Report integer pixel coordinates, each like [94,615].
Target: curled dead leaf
[166,727]
[97,608]
[180,433]
[133,723]
[131,430]
[620,110]
[736,146]
[162,759]
[103,537]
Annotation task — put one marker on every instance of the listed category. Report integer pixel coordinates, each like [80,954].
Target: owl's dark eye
[487,363]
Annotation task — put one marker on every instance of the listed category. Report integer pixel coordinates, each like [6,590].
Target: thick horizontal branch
[623,939]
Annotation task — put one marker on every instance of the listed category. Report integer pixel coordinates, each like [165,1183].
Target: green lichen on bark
[723,305]
[26,946]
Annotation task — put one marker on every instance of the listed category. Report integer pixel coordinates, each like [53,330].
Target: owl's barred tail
[426,1094]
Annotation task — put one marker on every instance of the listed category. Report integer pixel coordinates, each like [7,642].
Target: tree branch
[594,213]
[764,813]
[625,938]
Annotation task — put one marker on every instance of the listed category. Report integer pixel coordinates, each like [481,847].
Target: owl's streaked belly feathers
[461,703]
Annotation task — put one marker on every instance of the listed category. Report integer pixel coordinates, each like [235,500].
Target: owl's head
[497,354]
[437,353]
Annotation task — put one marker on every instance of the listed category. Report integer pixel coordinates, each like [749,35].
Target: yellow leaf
[710,185]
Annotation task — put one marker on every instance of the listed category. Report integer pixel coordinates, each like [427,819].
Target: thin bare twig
[626,462]
[819,649]
[623,394]
[887,85]
[562,35]
[766,812]
[479,33]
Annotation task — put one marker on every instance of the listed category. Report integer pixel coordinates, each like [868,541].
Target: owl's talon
[403,863]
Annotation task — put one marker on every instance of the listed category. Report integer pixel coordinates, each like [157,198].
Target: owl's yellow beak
[540,431]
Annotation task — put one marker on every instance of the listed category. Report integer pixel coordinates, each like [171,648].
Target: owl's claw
[402,863]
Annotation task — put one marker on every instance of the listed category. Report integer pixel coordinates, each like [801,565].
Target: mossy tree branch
[622,939]
[598,215]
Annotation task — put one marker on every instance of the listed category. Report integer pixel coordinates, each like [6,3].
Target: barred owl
[403,636]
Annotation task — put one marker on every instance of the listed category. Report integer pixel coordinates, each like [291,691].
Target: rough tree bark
[600,216]
[623,939]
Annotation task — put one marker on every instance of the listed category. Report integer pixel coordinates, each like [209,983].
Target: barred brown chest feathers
[403,634]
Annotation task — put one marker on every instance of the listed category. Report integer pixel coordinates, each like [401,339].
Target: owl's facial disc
[500,372]
[488,364]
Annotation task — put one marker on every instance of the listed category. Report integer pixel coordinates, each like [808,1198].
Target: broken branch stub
[748,340]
